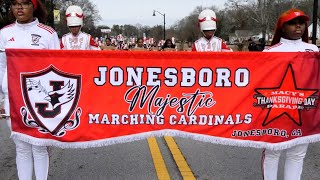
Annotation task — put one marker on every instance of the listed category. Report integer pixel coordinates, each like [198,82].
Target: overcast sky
[140,11]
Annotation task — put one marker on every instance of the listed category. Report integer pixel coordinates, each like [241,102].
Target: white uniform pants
[293,163]
[29,155]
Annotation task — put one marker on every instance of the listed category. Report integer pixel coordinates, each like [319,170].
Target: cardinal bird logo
[51,97]
[61,96]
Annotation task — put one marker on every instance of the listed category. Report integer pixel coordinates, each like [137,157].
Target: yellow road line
[182,164]
[161,168]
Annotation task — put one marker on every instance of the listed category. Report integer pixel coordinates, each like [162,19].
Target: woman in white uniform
[291,35]
[27,14]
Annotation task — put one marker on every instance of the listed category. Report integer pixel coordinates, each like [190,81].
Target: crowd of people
[138,44]
[290,36]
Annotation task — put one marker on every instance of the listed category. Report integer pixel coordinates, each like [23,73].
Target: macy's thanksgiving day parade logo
[285,100]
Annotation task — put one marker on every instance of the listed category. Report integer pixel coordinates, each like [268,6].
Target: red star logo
[286,99]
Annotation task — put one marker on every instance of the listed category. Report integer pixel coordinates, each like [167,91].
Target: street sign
[56,16]
[106,30]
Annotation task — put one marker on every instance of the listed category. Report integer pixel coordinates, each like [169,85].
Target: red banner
[89,98]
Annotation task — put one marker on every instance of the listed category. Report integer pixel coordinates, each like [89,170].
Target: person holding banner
[26,33]
[76,39]
[291,35]
[207,21]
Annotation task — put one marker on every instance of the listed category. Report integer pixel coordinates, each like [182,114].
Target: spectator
[108,45]
[253,46]
[168,46]
[139,45]
[154,46]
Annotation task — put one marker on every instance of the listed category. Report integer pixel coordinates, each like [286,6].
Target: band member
[76,39]
[291,35]
[26,33]
[208,25]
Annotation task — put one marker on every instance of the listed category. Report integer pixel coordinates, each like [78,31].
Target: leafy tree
[116,29]
[187,28]
[97,31]
[156,32]
[129,30]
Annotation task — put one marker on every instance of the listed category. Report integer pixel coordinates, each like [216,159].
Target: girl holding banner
[27,33]
[291,35]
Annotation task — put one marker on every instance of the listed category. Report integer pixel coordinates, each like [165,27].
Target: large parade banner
[79,99]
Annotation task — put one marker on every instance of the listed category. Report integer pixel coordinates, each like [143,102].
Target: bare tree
[187,28]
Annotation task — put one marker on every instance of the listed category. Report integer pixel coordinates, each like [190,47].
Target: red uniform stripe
[93,43]
[10,25]
[276,45]
[47,28]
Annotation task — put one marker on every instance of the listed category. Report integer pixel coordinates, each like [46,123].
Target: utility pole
[314,22]
[164,22]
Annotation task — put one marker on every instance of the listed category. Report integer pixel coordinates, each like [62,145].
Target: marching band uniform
[77,40]
[286,45]
[32,35]
[207,22]
[215,44]
[294,155]
[82,41]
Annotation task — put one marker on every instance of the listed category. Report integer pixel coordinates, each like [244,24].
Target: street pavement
[133,161]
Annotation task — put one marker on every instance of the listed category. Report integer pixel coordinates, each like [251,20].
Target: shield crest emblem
[51,97]
[35,39]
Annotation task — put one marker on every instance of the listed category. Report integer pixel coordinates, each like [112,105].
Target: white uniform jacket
[286,45]
[32,35]
[215,44]
[82,41]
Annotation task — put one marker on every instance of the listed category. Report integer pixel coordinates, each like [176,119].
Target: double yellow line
[159,164]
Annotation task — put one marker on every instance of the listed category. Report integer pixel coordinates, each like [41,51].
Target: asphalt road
[133,161]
